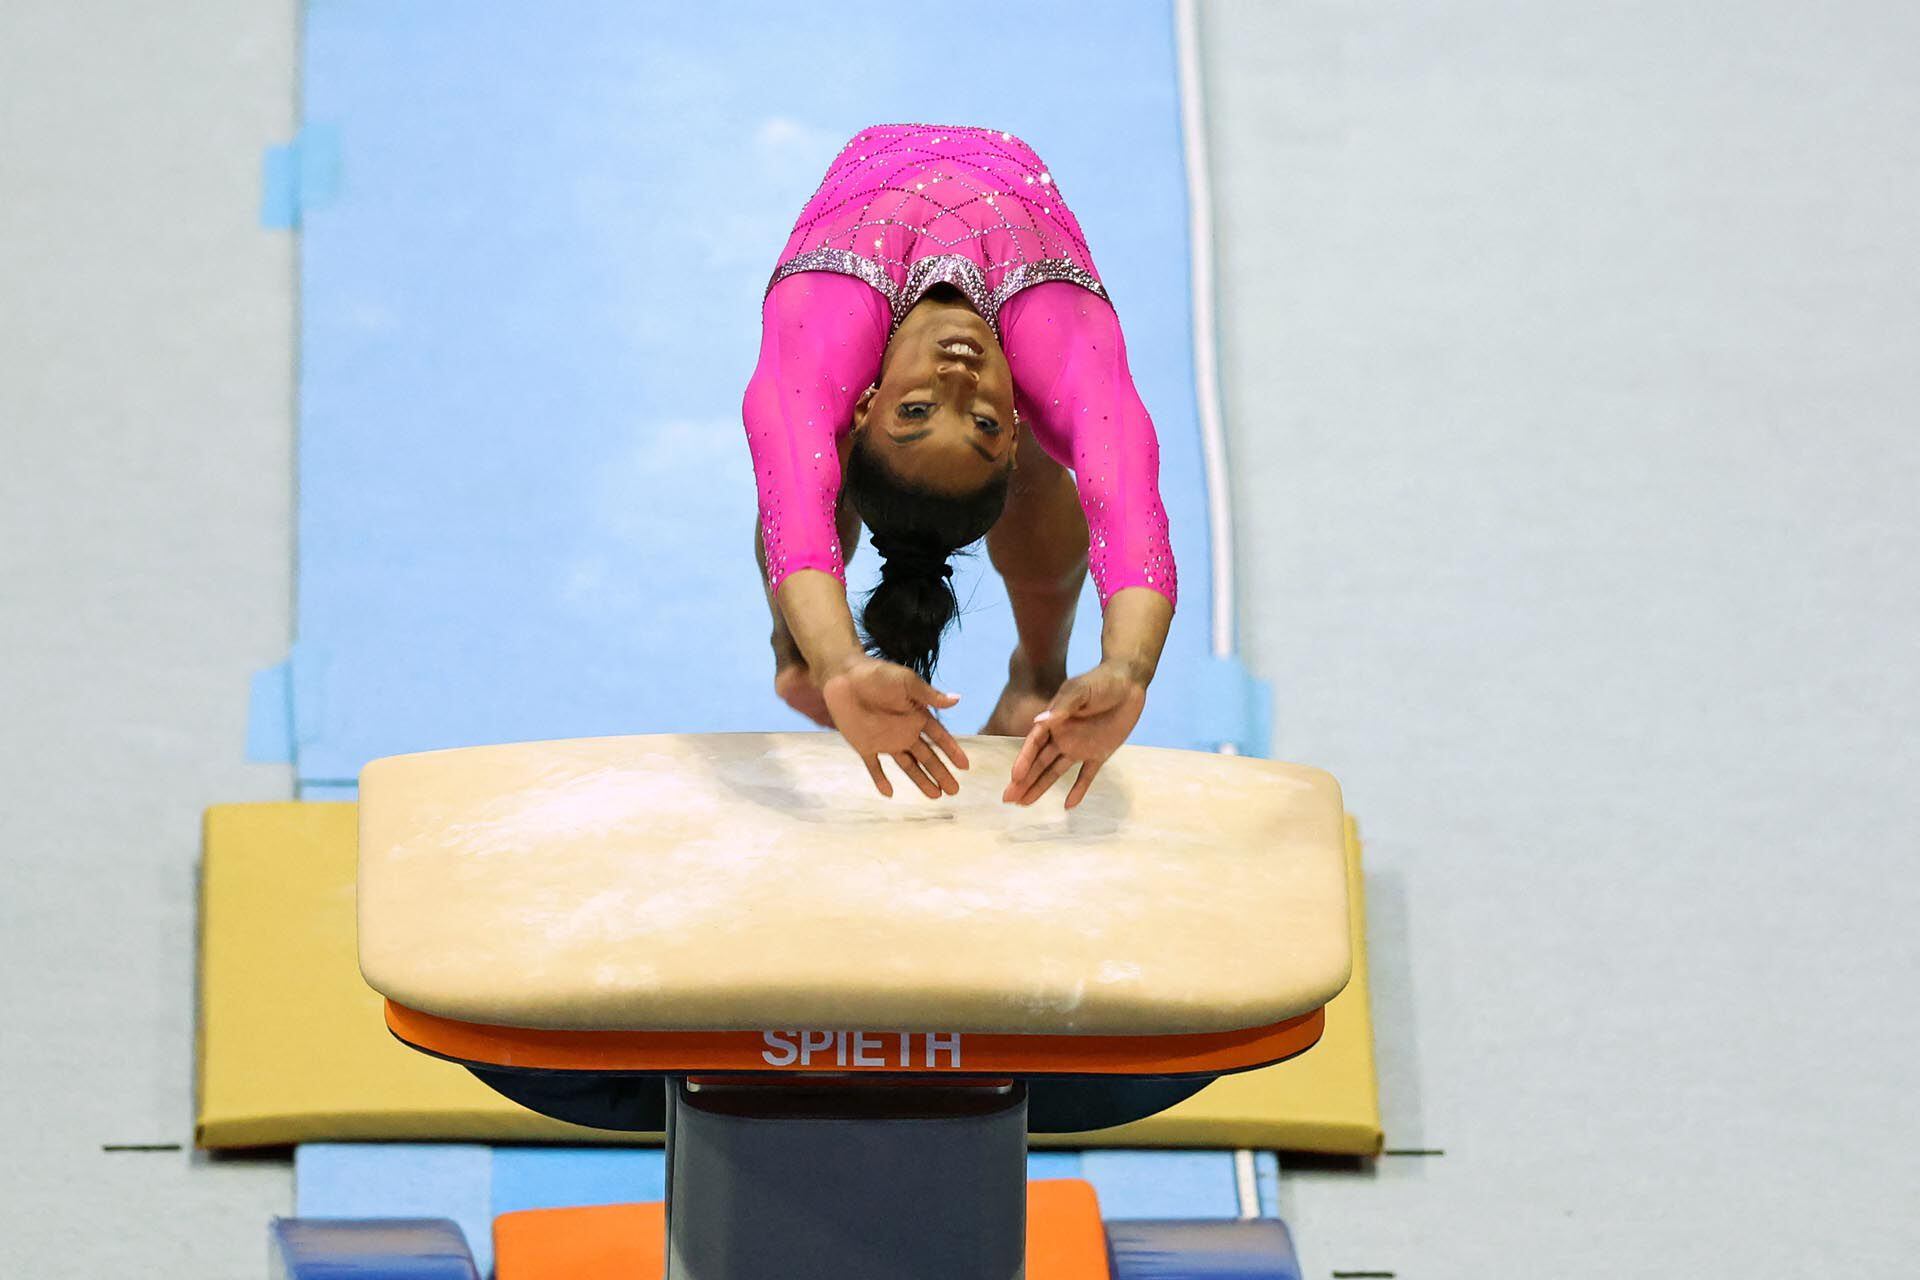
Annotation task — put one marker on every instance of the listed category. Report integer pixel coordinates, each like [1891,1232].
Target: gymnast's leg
[1039,548]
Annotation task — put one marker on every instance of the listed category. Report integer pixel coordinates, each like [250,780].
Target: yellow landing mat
[293,1047]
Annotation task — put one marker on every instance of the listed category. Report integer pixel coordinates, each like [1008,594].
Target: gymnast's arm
[1069,361]
[791,675]
[821,339]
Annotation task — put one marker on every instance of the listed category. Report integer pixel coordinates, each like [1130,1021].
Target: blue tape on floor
[1163,1184]
[568,1177]
[299,176]
[400,1180]
[527,322]
[279,188]
[270,716]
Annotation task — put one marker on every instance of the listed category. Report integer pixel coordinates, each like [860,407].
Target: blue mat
[370,1249]
[533,244]
[371,1180]
[1165,1250]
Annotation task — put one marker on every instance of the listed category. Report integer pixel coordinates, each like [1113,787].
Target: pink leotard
[902,209]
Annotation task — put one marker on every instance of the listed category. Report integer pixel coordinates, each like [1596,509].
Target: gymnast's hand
[794,683]
[883,709]
[1084,724]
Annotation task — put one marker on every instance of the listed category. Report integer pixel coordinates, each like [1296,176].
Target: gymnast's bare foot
[1027,694]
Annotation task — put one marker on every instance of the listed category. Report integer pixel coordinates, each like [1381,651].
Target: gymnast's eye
[987,425]
[915,410]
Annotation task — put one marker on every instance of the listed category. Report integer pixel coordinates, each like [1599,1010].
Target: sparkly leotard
[902,209]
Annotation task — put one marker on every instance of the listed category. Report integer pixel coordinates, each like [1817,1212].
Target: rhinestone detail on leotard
[908,207]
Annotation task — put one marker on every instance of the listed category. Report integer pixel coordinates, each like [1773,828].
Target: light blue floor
[473,1184]
[529,282]
[529,306]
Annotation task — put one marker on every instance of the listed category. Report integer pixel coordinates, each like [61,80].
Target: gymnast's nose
[957,374]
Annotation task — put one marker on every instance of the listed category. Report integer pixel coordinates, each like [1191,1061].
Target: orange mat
[599,1242]
[1065,1239]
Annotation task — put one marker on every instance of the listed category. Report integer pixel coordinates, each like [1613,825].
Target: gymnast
[939,361]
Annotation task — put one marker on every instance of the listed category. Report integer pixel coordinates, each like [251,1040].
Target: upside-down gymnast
[939,361]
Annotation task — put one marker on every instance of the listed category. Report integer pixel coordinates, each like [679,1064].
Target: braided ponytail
[913,605]
[915,530]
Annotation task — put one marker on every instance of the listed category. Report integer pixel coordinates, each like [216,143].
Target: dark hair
[915,529]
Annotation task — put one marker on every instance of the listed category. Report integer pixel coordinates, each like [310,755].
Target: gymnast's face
[941,416]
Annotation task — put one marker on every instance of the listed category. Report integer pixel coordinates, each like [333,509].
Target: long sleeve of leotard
[821,339]
[1071,379]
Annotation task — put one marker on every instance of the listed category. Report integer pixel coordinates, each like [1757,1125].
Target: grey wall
[1570,361]
[145,440]
[1574,456]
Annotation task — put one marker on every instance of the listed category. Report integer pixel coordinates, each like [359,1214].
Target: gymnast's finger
[1017,788]
[878,775]
[1081,783]
[936,767]
[1054,773]
[916,775]
[1037,737]
[943,738]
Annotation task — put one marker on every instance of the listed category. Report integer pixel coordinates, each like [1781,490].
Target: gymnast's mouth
[964,348]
